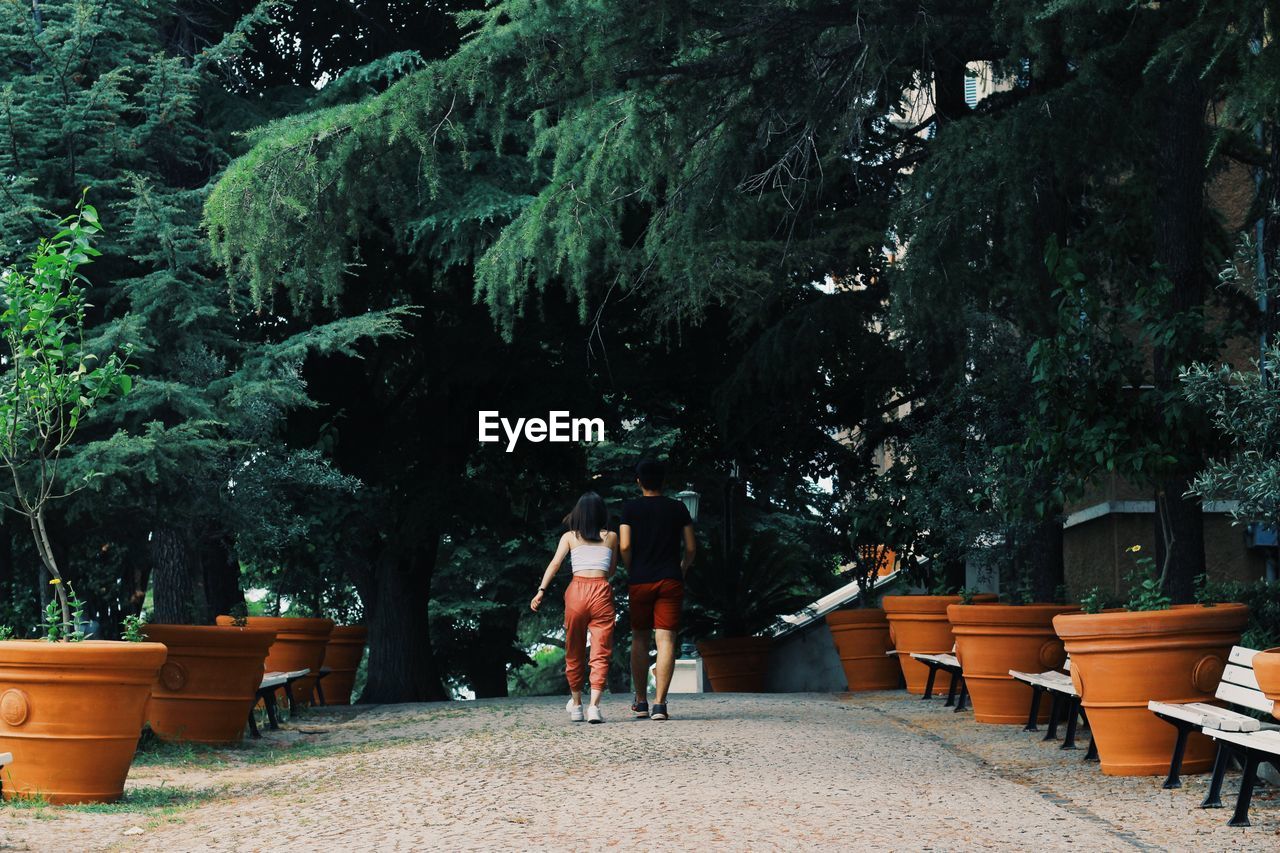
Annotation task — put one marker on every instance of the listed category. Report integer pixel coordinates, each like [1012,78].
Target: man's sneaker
[659,711]
[593,714]
[575,712]
[640,709]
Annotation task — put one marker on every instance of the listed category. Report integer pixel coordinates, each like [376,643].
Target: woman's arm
[613,558]
[562,551]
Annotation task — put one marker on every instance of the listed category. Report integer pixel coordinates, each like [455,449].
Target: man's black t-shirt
[657,529]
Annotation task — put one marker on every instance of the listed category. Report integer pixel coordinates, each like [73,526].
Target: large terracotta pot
[862,640]
[71,714]
[1266,668]
[342,655]
[208,684]
[736,664]
[992,639]
[1121,661]
[299,644]
[918,623]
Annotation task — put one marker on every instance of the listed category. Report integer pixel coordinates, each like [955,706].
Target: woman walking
[588,602]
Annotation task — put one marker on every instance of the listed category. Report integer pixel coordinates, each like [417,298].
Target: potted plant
[204,691]
[71,707]
[918,624]
[861,634]
[342,656]
[1121,660]
[734,599]
[299,644]
[992,639]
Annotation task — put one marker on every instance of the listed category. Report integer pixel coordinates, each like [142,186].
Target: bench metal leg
[253,723]
[928,685]
[1173,780]
[288,694]
[1073,714]
[963,701]
[320,691]
[1213,797]
[1033,716]
[1092,754]
[1055,710]
[951,691]
[1241,816]
[273,718]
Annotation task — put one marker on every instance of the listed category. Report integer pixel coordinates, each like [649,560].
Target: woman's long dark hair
[589,518]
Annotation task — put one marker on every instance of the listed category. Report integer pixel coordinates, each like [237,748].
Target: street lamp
[690,500]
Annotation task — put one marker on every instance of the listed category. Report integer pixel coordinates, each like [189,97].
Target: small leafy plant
[57,627]
[6,632]
[1093,601]
[49,384]
[967,594]
[131,629]
[1146,584]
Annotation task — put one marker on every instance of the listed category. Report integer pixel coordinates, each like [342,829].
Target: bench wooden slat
[1243,696]
[275,680]
[1207,716]
[297,673]
[1241,656]
[1266,741]
[6,758]
[1240,675]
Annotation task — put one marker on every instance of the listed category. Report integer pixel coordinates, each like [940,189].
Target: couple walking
[649,539]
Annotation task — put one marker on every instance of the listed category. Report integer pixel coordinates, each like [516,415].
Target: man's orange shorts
[656,605]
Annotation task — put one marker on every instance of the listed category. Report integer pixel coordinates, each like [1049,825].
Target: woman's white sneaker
[593,714]
[575,712]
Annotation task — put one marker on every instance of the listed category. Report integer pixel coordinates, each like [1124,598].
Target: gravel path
[731,772]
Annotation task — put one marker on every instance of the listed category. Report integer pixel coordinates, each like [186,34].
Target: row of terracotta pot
[1120,661]
[71,713]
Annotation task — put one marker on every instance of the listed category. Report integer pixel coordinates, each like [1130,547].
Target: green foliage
[6,632]
[1262,631]
[1093,601]
[64,615]
[131,630]
[1146,585]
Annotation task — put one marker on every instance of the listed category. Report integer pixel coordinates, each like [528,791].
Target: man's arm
[690,550]
[624,544]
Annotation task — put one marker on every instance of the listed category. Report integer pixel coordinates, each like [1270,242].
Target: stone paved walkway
[731,772]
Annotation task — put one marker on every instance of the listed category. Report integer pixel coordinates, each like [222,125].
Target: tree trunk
[1181,149]
[178,598]
[1044,561]
[402,665]
[487,669]
[221,579]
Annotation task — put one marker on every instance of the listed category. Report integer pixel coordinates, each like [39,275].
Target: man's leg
[666,663]
[640,664]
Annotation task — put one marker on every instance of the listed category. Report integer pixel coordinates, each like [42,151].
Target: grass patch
[159,799]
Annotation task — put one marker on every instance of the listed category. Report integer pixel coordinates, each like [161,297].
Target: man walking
[650,537]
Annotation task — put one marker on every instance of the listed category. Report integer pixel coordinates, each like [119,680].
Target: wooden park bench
[1251,748]
[1066,706]
[272,682]
[1236,687]
[319,689]
[6,758]
[948,663]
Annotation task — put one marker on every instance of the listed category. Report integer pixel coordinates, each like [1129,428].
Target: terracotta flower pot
[862,640]
[206,687]
[1121,661]
[992,639]
[299,644]
[1266,668]
[342,655]
[71,714]
[918,623]
[736,664]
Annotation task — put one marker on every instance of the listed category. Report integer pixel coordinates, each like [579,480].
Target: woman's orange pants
[588,606]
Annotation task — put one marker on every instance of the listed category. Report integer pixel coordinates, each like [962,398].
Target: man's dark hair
[651,473]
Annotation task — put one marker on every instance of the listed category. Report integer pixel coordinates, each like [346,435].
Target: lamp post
[690,500]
